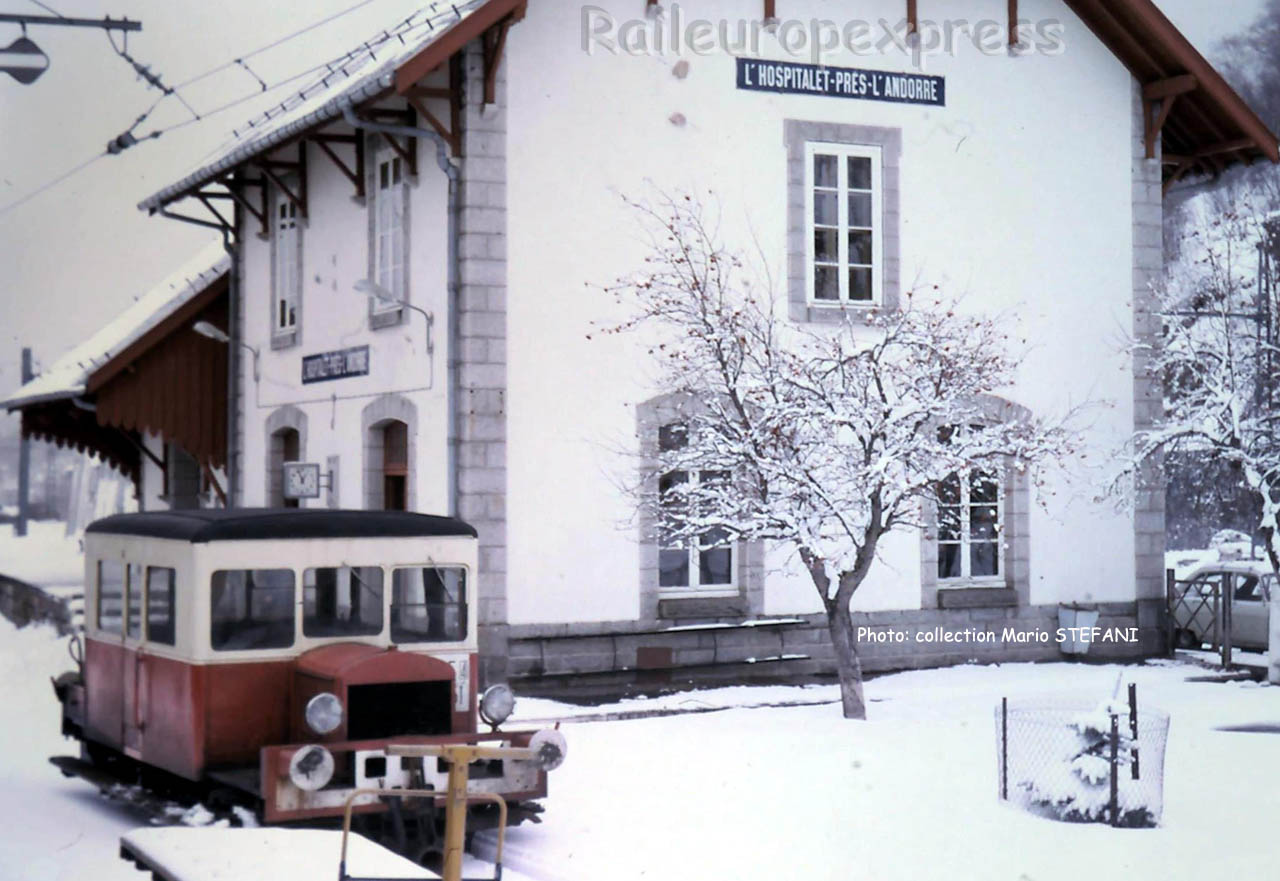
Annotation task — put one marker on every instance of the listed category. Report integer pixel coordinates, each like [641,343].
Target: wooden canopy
[1205,126]
[170,382]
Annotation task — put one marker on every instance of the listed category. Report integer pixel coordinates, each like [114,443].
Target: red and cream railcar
[278,653]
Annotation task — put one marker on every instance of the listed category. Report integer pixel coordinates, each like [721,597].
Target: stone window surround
[799,133]
[749,559]
[280,419]
[375,150]
[375,415]
[284,339]
[1016,551]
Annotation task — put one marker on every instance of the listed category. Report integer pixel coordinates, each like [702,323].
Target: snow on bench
[184,854]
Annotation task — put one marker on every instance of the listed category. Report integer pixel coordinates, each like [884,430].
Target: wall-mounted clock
[301,480]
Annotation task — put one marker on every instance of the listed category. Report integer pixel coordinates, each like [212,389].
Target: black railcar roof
[237,524]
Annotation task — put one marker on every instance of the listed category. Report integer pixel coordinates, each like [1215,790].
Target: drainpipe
[233,361]
[450,168]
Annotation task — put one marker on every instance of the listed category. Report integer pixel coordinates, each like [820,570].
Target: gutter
[450,168]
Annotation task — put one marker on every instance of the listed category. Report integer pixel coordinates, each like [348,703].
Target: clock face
[301,480]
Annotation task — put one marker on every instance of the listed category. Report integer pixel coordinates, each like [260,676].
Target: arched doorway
[286,446]
[395,465]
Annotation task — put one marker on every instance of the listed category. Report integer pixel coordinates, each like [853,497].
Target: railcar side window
[133,623]
[342,601]
[160,598]
[429,604]
[252,609]
[110,596]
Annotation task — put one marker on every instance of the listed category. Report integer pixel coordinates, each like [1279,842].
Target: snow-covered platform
[183,854]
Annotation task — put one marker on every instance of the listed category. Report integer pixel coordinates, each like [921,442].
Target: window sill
[708,604]
[976,595]
[284,339]
[390,318]
[820,312]
[718,593]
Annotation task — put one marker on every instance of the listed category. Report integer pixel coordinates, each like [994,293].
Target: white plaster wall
[151,490]
[335,242]
[1017,194]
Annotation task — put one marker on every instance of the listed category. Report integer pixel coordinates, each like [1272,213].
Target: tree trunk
[848,667]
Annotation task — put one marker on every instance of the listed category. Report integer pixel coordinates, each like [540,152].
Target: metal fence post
[1133,727]
[1226,626]
[1004,749]
[1170,619]
[1115,780]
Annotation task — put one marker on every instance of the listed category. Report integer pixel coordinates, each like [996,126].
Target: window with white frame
[389,246]
[844,224]
[971,529]
[704,567]
[288,281]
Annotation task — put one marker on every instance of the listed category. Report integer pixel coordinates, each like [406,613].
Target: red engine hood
[355,664]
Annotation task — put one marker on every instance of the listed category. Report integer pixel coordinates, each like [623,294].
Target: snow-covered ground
[750,789]
[800,793]
[45,556]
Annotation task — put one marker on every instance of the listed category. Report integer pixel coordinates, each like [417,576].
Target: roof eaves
[371,87]
[20,403]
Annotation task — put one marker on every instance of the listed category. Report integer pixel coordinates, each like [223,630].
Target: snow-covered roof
[67,376]
[363,73]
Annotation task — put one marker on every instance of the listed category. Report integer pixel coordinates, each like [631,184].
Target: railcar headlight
[323,713]
[549,748]
[311,768]
[496,704]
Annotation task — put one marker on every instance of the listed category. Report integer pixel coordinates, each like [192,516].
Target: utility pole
[24,458]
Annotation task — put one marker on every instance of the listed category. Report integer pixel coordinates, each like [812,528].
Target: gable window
[286,270]
[971,529]
[844,222]
[388,251]
[705,567]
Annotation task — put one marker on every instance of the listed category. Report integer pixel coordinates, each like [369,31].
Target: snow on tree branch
[1217,356]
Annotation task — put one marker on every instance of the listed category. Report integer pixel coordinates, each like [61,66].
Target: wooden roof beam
[453,40]
[1170,87]
[1210,81]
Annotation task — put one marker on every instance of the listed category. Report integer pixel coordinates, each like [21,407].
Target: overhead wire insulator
[121,142]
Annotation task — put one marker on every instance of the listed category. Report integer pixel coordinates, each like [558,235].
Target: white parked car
[1248,584]
[1232,544]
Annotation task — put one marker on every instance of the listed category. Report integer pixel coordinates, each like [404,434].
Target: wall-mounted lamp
[213,332]
[382,295]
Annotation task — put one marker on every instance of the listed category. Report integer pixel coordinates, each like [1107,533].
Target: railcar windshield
[252,609]
[429,604]
[342,601]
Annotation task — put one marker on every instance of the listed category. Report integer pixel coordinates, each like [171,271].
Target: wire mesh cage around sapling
[1081,762]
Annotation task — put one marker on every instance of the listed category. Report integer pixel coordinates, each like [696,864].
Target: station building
[418,241]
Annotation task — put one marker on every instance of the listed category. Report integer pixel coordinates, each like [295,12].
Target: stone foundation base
[610,658]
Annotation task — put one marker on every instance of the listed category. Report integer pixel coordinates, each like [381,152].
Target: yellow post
[455,813]
[459,756]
